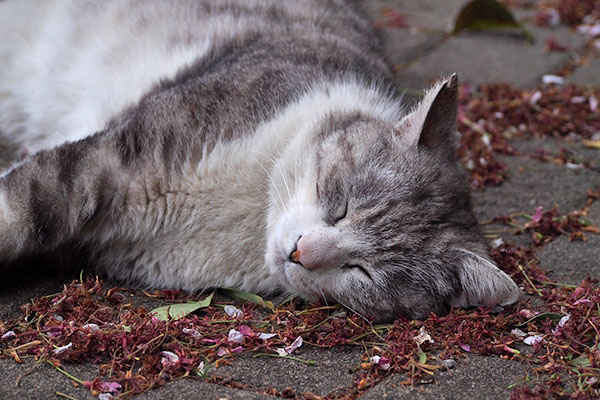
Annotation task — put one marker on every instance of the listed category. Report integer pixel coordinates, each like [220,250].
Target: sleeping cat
[253,144]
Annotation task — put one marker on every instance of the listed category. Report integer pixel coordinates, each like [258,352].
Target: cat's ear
[432,123]
[482,283]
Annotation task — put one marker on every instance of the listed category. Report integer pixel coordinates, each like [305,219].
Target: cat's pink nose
[315,251]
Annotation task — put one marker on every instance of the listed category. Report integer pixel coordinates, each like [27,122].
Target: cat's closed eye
[358,267]
[340,212]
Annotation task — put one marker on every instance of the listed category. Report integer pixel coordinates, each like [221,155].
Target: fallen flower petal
[553,79]
[518,333]
[8,335]
[265,336]
[580,301]
[593,103]
[537,217]
[111,387]
[535,97]
[221,352]
[281,352]
[235,336]
[247,331]
[292,347]
[105,396]
[465,347]
[525,313]
[423,336]
[238,349]
[192,332]
[564,320]
[62,349]
[169,359]
[91,327]
[233,311]
[533,340]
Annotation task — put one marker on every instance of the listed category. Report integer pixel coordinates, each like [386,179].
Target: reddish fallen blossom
[552,44]
[489,117]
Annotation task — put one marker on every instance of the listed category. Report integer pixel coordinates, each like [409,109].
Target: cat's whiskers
[280,198]
[324,299]
[279,166]
[296,163]
[355,312]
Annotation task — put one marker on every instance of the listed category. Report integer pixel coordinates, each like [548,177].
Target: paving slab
[587,74]
[43,381]
[487,57]
[334,369]
[476,377]
[572,261]
[427,26]
[185,389]
[426,54]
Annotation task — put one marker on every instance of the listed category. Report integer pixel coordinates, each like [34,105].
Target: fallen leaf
[180,310]
[595,144]
[479,15]
[245,296]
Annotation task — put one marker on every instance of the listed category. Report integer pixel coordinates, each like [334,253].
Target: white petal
[62,349]
[235,336]
[233,311]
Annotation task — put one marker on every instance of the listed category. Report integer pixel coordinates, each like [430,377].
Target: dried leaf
[479,15]
[180,310]
[594,144]
[245,296]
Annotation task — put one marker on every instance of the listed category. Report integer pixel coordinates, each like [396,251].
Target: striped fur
[198,143]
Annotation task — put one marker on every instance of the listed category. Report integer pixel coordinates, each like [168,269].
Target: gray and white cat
[253,144]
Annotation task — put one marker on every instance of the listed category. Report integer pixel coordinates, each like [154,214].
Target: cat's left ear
[432,123]
[482,283]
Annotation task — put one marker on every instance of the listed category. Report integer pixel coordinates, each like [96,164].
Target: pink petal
[465,347]
[221,352]
[593,103]
[581,301]
[169,359]
[9,334]
[192,332]
[112,387]
[238,349]
[537,217]
[533,340]
[235,336]
[292,347]
[246,331]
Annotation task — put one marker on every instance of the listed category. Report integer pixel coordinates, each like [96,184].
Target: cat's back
[68,67]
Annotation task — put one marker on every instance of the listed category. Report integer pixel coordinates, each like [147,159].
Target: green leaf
[180,310]
[245,296]
[422,358]
[545,315]
[581,362]
[479,15]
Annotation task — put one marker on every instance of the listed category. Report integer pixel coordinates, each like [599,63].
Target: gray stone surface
[426,54]
[488,57]
[572,261]
[587,74]
[332,370]
[476,378]
[185,389]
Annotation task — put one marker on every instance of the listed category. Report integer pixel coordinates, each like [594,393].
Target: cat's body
[253,144]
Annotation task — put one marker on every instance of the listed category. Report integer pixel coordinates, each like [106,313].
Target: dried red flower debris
[492,115]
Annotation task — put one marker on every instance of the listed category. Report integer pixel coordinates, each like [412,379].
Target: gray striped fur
[285,125]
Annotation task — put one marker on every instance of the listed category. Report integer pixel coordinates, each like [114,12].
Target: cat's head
[380,219]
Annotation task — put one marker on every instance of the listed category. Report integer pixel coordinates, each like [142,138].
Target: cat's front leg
[53,195]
